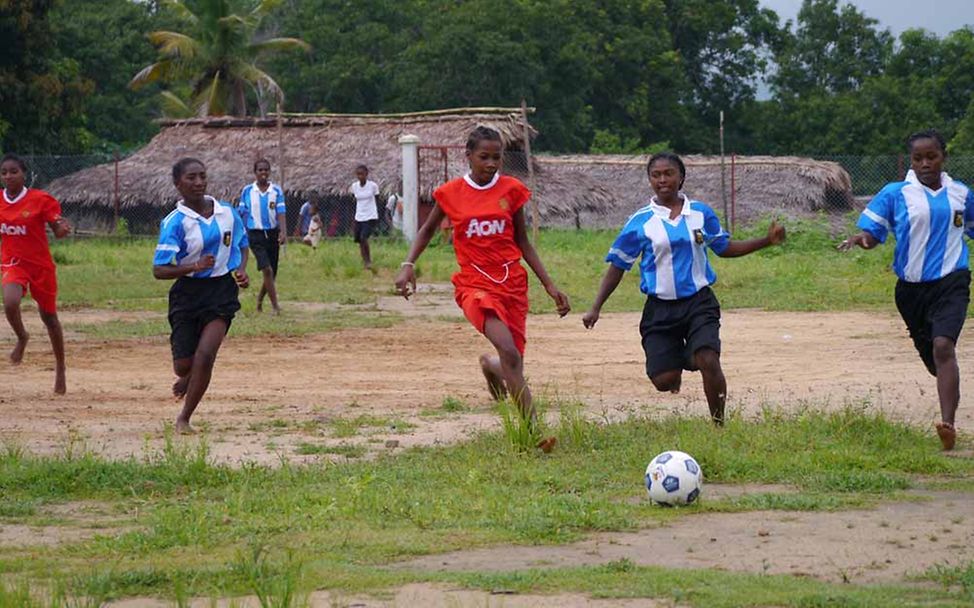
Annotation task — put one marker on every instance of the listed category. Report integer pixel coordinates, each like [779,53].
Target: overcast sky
[939,16]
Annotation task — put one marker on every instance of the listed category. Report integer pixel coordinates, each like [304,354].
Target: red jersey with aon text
[23,227]
[483,219]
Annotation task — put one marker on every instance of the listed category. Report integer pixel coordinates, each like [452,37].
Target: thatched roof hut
[320,152]
[602,191]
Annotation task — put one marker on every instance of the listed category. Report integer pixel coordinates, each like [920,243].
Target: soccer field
[351,456]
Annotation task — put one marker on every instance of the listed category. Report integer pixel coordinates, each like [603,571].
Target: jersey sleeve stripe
[875,217]
[628,259]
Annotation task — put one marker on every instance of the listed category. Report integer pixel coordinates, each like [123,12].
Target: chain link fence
[745,188]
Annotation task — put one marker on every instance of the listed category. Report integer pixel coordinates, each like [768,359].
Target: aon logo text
[485,228]
[11,230]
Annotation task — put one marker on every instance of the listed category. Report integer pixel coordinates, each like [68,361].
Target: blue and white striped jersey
[259,209]
[185,236]
[928,226]
[674,252]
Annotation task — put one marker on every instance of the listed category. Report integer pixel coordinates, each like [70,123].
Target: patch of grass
[350,427]
[453,404]
[706,588]
[195,517]
[344,449]
[961,577]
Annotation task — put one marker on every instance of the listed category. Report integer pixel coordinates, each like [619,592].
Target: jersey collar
[217,209]
[17,198]
[477,186]
[657,208]
[270,186]
[945,181]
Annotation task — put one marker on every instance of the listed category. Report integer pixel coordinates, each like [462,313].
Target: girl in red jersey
[486,211]
[25,259]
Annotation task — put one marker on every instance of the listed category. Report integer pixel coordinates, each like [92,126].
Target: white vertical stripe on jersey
[193,237]
[224,222]
[694,221]
[665,277]
[956,197]
[918,212]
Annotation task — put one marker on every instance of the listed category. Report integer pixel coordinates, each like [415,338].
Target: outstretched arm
[530,255]
[735,249]
[863,239]
[406,279]
[610,280]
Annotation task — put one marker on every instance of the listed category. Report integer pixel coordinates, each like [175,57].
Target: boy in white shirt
[365,192]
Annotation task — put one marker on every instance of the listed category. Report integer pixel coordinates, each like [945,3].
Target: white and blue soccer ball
[673,478]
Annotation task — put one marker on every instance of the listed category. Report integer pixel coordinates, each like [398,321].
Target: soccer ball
[673,478]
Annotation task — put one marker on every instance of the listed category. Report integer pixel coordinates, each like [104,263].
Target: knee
[943,350]
[667,381]
[205,357]
[50,320]
[182,367]
[707,361]
[510,356]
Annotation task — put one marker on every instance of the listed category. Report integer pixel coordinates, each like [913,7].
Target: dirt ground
[269,394]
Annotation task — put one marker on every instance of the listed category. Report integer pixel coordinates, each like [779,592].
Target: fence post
[116,200]
[723,170]
[733,213]
[410,185]
[527,158]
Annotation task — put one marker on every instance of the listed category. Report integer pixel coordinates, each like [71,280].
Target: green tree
[218,57]
[42,93]
[107,40]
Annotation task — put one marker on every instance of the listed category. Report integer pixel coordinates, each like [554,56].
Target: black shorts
[265,247]
[363,230]
[674,330]
[195,302]
[933,309]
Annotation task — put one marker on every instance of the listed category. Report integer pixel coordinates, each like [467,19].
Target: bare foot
[179,386]
[277,311]
[183,427]
[547,444]
[17,354]
[947,434]
[260,306]
[495,384]
[60,383]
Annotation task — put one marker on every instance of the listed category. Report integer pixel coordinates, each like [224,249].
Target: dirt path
[269,395]
[885,544]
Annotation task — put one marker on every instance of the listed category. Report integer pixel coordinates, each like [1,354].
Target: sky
[938,16]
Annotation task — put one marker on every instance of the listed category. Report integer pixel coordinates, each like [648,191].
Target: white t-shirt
[394,206]
[365,209]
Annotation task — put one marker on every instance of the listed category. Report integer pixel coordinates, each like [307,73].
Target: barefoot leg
[56,334]
[12,294]
[182,368]
[948,388]
[199,378]
[490,365]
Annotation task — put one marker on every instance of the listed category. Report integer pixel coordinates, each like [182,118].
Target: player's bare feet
[17,354]
[947,434]
[490,366]
[547,444]
[183,427]
[179,386]
[260,306]
[277,311]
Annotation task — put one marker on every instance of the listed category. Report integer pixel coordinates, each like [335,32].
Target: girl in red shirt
[25,259]
[486,211]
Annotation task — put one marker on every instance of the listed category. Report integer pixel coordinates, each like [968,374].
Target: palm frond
[174,44]
[264,8]
[181,10]
[212,100]
[261,81]
[160,71]
[279,44]
[174,106]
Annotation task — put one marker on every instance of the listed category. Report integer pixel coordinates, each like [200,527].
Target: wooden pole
[723,171]
[527,158]
[282,164]
[117,201]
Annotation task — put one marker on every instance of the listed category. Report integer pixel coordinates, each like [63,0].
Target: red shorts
[478,297]
[41,281]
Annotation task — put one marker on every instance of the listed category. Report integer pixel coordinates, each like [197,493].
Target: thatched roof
[320,152]
[602,191]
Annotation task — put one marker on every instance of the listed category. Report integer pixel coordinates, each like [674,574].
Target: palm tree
[218,61]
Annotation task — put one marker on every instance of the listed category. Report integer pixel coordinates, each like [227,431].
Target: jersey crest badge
[503,204]
[958,218]
[272,206]
[227,238]
[25,213]
[698,236]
